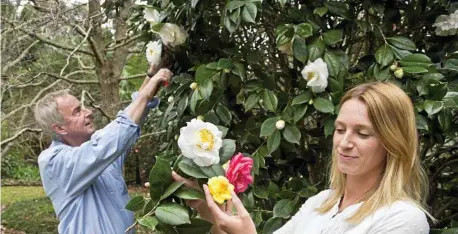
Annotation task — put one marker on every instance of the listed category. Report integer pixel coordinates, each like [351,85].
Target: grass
[28,209]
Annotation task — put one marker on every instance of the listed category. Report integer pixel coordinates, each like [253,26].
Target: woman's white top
[400,217]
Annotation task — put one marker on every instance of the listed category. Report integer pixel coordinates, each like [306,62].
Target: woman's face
[358,147]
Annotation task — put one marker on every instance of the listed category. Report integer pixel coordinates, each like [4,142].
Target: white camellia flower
[316,74]
[154,52]
[152,15]
[172,34]
[200,141]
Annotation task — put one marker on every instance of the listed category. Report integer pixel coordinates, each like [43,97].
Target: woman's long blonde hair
[392,115]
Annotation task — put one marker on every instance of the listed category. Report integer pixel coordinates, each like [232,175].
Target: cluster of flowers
[447,25]
[171,35]
[201,141]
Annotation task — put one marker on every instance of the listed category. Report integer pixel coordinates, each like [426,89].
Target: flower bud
[280,124]
[176,137]
[226,70]
[311,102]
[200,117]
[170,99]
[393,67]
[170,123]
[193,86]
[147,184]
[399,73]
[260,101]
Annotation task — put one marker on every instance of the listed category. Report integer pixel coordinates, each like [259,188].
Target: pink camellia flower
[239,172]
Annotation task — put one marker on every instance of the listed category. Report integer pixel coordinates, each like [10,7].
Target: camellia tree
[266,78]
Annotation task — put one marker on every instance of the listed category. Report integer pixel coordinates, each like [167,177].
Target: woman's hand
[199,205]
[225,220]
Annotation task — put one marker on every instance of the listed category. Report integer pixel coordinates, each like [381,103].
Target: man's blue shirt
[85,183]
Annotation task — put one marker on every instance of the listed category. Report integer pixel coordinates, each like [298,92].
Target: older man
[82,169]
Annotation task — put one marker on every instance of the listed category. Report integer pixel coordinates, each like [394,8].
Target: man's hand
[151,87]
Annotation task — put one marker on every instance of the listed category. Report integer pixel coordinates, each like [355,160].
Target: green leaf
[401,43]
[273,141]
[224,63]
[308,192]
[251,101]
[333,63]
[445,119]
[302,98]
[422,122]
[230,26]
[213,66]
[190,194]
[226,151]
[303,30]
[239,70]
[136,203]
[203,73]
[160,178]
[451,64]
[224,114]
[283,208]
[191,169]
[329,126]
[323,105]
[171,189]
[331,37]
[316,49]
[417,60]
[292,134]
[206,89]
[235,15]
[268,126]
[300,49]
[432,107]
[272,225]
[194,99]
[381,74]
[148,221]
[320,11]
[213,170]
[197,226]
[414,70]
[398,53]
[270,100]
[384,56]
[249,12]
[339,8]
[260,191]
[299,112]
[232,5]
[172,213]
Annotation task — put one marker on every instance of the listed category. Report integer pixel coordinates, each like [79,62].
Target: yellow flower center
[152,52]
[310,75]
[207,140]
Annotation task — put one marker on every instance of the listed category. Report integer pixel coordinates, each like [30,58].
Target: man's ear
[59,130]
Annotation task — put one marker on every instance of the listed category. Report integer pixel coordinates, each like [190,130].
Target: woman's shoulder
[405,215]
[319,198]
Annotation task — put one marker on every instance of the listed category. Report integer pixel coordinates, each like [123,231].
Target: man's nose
[88,112]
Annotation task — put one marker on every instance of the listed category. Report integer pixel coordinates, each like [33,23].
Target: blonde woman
[377,184]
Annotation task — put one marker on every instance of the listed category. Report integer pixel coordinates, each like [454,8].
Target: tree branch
[71,54]
[133,77]
[92,103]
[46,41]
[127,42]
[18,134]
[71,80]
[19,58]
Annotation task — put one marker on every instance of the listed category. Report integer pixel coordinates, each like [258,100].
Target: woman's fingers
[241,211]
[229,207]
[213,207]
[188,183]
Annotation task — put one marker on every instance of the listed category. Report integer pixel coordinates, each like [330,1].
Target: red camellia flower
[239,172]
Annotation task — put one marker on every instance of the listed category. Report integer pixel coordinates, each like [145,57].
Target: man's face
[79,124]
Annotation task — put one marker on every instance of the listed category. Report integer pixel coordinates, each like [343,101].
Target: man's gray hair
[46,111]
